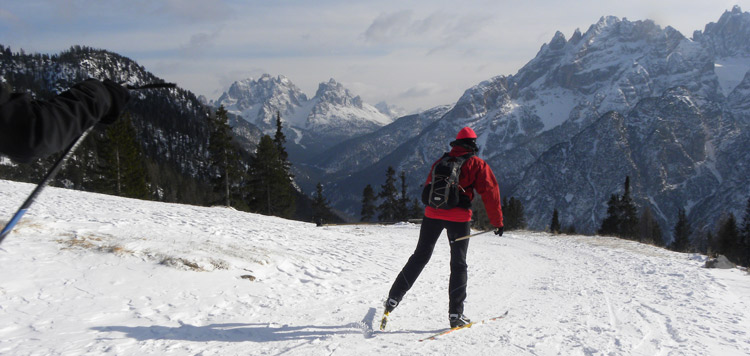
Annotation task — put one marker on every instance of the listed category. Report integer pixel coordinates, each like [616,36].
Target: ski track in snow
[90,274]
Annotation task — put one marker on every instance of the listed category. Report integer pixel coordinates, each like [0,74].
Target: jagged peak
[331,87]
[577,36]
[266,80]
[604,22]
[727,17]
[729,35]
[558,41]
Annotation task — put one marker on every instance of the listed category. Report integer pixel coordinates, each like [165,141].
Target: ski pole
[59,164]
[151,86]
[50,175]
[470,236]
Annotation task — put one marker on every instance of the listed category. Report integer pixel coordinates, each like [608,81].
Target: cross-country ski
[433,337]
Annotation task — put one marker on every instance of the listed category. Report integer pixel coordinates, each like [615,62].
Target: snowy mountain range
[622,98]
[333,115]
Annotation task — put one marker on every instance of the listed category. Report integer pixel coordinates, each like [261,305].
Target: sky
[412,54]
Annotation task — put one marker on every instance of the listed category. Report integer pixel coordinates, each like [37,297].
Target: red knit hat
[466,132]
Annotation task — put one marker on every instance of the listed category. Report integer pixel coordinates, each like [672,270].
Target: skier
[475,174]
[32,129]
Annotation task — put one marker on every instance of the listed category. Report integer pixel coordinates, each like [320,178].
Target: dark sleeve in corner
[32,129]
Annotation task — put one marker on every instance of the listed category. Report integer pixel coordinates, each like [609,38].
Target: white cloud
[421,90]
[200,44]
[435,32]
[389,27]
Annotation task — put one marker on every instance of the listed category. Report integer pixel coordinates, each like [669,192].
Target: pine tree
[726,242]
[320,205]
[611,224]
[121,164]
[416,210]
[480,220]
[681,233]
[272,192]
[280,140]
[513,214]
[628,214]
[554,226]
[745,236]
[389,204]
[648,228]
[368,204]
[402,205]
[622,218]
[227,172]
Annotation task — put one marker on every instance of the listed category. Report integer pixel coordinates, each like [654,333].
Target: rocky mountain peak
[247,94]
[335,93]
[730,36]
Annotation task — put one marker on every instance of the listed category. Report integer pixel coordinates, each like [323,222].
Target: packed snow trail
[99,275]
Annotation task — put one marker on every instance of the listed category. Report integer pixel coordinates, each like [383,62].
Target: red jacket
[477,174]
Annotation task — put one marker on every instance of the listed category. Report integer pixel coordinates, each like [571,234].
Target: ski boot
[389,305]
[459,321]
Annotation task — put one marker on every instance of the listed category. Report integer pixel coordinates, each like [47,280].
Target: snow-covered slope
[89,274]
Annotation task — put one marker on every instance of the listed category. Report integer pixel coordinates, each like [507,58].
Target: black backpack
[443,191]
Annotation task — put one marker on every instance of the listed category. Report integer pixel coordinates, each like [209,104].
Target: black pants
[428,236]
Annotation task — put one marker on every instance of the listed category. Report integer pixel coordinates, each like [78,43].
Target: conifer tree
[272,192]
[648,228]
[368,204]
[320,205]
[727,237]
[622,218]
[628,214]
[122,166]
[227,172]
[745,236]
[681,233]
[513,214]
[389,197]
[402,205]
[611,224]
[480,220]
[554,226]
[416,211]
[280,140]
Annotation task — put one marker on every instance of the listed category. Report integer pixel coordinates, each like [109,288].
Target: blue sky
[415,54]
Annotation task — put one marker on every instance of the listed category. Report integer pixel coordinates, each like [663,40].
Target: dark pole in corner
[59,164]
[50,175]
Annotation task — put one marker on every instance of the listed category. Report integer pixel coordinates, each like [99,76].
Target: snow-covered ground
[89,274]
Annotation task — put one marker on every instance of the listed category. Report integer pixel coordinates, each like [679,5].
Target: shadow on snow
[240,332]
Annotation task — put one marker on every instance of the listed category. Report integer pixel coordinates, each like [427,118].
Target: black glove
[499,231]
[120,98]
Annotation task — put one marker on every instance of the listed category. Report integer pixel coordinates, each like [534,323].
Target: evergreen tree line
[394,205]
[264,185]
[169,127]
[730,239]
[514,217]
[160,150]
